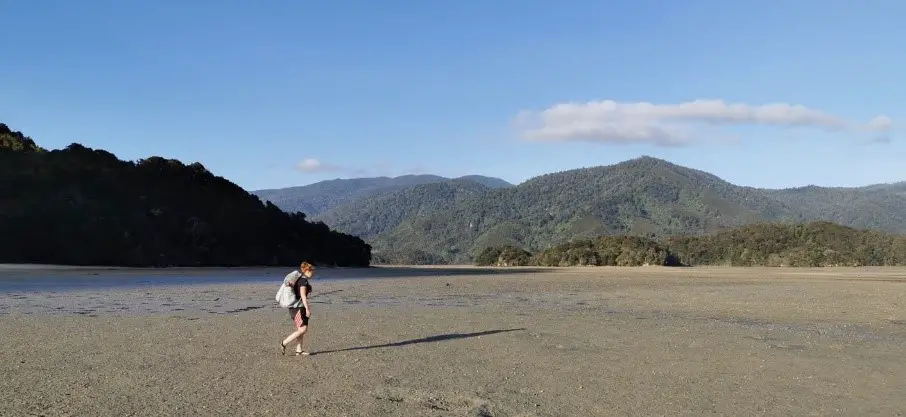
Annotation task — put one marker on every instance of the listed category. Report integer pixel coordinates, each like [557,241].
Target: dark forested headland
[815,244]
[81,206]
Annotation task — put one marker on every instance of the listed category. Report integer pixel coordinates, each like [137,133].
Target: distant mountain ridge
[432,219]
[317,198]
[643,196]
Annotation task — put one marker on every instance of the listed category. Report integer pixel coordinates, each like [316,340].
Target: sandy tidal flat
[525,342]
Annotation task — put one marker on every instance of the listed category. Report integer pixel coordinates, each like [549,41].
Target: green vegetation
[11,141]
[409,257]
[396,207]
[607,251]
[504,256]
[644,197]
[814,244]
[80,206]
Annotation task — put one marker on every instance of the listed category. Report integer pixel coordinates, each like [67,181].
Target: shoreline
[59,267]
[22,271]
[62,267]
[38,278]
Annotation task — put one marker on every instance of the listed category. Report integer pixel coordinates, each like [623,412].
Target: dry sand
[526,342]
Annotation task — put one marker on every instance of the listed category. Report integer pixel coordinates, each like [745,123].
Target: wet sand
[471,342]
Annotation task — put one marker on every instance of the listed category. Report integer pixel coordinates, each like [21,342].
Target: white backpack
[285,296]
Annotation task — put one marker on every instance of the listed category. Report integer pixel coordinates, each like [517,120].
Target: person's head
[307,269]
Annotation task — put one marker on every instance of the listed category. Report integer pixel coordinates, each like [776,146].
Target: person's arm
[305,302]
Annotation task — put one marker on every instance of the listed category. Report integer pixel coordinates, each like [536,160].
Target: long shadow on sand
[429,339]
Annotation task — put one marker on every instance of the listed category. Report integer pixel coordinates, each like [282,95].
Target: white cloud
[880,123]
[315,166]
[312,165]
[673,124]
[880,129]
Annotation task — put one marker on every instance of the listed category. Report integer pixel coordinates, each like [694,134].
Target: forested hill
[315,199]
[814,244]
[642,197]
[380,213]
[80,206]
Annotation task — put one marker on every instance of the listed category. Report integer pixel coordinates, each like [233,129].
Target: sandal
[282,349]
[303,353]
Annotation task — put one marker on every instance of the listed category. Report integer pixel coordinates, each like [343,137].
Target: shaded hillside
[642,197]
[489,182]
[15,141]
[379,213]
[814,244]
[317,198]
[880,206]
[81,206]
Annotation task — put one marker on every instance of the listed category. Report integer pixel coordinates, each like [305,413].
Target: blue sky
[281,93]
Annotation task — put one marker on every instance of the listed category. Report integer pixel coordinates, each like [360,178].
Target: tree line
[814,244]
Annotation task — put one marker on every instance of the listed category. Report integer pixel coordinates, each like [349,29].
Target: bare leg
[296,334]
[302,330]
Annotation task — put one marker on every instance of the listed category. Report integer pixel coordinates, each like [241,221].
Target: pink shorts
[298,315]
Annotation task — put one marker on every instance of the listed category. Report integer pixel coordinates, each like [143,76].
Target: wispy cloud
[881,128]
[677,124]
[312,165]
[316,166]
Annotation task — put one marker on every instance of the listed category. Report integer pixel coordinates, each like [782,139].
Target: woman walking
[299,311]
